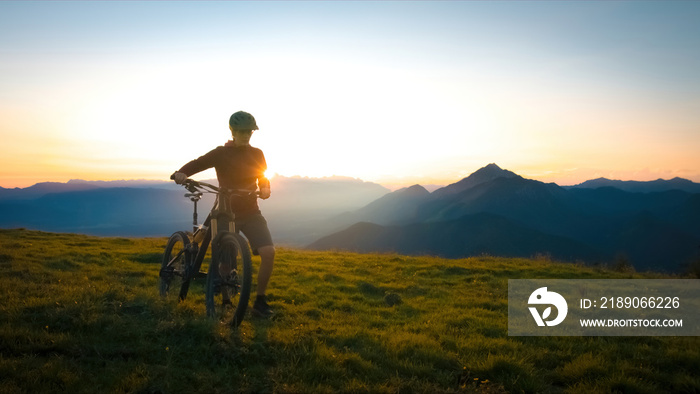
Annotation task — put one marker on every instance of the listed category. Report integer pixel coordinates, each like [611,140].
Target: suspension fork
[197,264]
[222,222]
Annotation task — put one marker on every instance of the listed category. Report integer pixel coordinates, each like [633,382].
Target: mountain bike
[229,274]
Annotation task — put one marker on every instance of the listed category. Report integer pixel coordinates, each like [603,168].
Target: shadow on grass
[147,258]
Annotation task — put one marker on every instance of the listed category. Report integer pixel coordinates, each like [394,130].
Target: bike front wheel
[173,271]
[229,279]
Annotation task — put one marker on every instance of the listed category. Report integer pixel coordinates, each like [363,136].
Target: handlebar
[196,187]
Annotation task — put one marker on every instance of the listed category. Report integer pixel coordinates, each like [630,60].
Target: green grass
[83,314]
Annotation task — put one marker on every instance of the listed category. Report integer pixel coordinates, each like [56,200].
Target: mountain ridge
[599,224]
[473,238]
[295,213]
[492,169]
[657,185]
[608,220]
[485,174]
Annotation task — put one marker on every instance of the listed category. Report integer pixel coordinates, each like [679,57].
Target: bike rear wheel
[229,277]
[173,271]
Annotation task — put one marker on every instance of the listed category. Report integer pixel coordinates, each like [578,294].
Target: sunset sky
[393,92]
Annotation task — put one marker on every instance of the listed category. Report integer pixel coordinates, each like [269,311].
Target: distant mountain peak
[492,171]
[482,175]
[415,190]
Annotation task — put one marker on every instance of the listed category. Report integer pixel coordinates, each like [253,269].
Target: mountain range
[653,225]
[658,185]
[297,210]
[497,212]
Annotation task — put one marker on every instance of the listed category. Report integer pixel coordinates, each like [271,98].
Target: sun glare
[270,174]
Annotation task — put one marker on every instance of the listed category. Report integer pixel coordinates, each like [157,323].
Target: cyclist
[240,166]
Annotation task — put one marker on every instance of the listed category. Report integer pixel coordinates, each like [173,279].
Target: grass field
[83,314]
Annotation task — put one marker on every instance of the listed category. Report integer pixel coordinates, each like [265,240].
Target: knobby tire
[233,249]
[173,277]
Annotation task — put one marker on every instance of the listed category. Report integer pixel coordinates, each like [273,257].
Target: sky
[396,92]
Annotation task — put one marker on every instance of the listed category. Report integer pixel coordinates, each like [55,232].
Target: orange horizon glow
[422,92]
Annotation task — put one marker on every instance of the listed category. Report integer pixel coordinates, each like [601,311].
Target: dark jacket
[237,168]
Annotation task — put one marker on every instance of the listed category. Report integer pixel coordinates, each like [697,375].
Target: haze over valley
[652,225]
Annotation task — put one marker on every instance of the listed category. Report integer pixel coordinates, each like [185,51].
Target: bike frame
[219,221]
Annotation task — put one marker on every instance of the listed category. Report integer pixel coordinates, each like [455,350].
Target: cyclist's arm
[195,166]
[263,182]
[264,185]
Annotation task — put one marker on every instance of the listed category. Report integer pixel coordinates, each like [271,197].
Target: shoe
[261,309]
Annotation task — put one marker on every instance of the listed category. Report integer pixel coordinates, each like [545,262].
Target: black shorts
[254,227]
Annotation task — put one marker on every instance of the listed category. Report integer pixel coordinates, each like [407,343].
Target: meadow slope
[82,314]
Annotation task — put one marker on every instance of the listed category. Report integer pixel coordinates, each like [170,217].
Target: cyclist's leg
[254,227]
[267,261]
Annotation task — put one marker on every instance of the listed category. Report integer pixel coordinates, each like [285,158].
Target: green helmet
[242,120]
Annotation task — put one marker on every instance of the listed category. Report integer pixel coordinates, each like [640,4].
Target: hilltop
[82,314]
